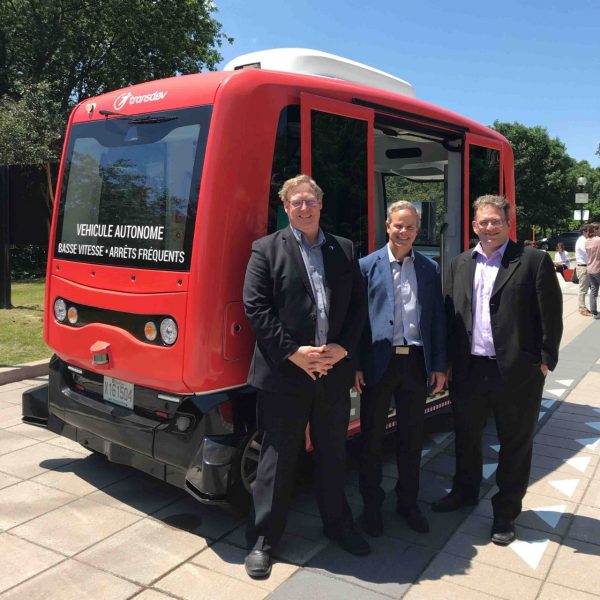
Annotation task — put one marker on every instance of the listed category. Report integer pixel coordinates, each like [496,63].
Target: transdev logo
[128,98]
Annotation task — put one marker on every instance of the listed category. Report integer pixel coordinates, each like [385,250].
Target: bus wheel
[545,246]
[244,470]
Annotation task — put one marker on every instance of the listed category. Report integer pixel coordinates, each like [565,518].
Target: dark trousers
[515,409]
[406,381]
[282,419]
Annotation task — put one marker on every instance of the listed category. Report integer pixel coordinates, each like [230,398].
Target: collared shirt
[592,246]
[312,255]
[581,257]
[486,271]
[406,307]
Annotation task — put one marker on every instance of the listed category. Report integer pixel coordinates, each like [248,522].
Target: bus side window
[286,163]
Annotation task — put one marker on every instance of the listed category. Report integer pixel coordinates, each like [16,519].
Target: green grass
[22,327]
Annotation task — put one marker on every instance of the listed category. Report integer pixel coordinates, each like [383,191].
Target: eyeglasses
[493,222]
[311,203]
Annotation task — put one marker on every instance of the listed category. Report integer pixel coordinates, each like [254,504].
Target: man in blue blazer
[403,351]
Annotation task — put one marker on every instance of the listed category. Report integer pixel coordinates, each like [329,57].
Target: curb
[24,371]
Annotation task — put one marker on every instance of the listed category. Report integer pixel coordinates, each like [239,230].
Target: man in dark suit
[504,313]
[304,299]
[403,350]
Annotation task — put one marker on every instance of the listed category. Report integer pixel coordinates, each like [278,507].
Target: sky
[530,61]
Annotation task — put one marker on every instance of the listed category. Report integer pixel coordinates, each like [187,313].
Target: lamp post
[581,197]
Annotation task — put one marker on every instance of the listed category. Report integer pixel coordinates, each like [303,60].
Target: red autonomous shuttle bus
[163,187]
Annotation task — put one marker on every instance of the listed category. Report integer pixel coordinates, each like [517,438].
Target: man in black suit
[504,318]
[305,301]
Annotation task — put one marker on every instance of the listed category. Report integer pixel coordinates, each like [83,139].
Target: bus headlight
[168,331]
[150,331]
[60,309]
[72,315]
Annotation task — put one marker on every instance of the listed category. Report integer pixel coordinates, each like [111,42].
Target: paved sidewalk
[73,525]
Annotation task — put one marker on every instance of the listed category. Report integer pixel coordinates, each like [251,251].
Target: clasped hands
[316,361]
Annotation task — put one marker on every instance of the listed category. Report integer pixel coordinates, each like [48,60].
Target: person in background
[561,259]
[504,321]
[402,353]
[592,247]
[581,261]
[305,302]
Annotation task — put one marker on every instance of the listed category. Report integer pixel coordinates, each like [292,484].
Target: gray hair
[500,202]
[294,182]
[402,205]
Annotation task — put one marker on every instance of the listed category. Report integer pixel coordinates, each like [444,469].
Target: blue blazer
[376,344]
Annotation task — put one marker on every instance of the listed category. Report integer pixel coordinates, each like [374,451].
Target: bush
[28,262]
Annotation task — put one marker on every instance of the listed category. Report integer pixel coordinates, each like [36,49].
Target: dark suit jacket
[376,345]
[525,311]
[281,310]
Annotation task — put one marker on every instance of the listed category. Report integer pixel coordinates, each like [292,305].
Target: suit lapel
[469,261]
[290,244]
[332,256]
[510,261]
[385,274]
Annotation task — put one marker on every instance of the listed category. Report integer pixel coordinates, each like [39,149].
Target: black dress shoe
[454,501]
[414,518]
[503,532]
[350,540]
[258,564]
[372,522]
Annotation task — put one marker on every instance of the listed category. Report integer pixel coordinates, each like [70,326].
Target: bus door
[484,165]
[337,152]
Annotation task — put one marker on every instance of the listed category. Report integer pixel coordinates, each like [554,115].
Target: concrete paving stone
[305,501]
[143,552]
[576,423]
[574,409]
[586,525]
[140,494]
[551,591]
[443,590]
[481,577]
[556,485]
[10,415]
[531,554]
[576,566]
[27,500]
[552,429]
[442,464]
[303,525]
[15,386]
[64,442]
[75,527]
[150,594]
[433,486]
[327,588]
[567,443]
[389,570]
[291,548]
[561,451]
[22,560]
[205,521]
[32,431]
[84,476]
[549,521]
[229,560]
[6,480]
[592,494]
[72,580]
[35,460]
[9,442]
[192,582]
[550,463]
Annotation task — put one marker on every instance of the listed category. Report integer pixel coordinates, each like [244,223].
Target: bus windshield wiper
[150,119]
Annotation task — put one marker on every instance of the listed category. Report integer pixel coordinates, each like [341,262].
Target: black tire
[243,471]
[545,246]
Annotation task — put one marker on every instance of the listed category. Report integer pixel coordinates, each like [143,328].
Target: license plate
[118,392]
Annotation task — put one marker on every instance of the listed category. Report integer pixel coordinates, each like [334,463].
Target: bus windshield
[130,190]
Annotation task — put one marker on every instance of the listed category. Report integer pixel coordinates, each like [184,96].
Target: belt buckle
[402,349]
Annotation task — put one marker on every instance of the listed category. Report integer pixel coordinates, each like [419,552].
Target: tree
[544,178]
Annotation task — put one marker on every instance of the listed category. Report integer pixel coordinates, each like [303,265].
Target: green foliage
[31,125]
[544,177]
[55,53]
[28,262]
